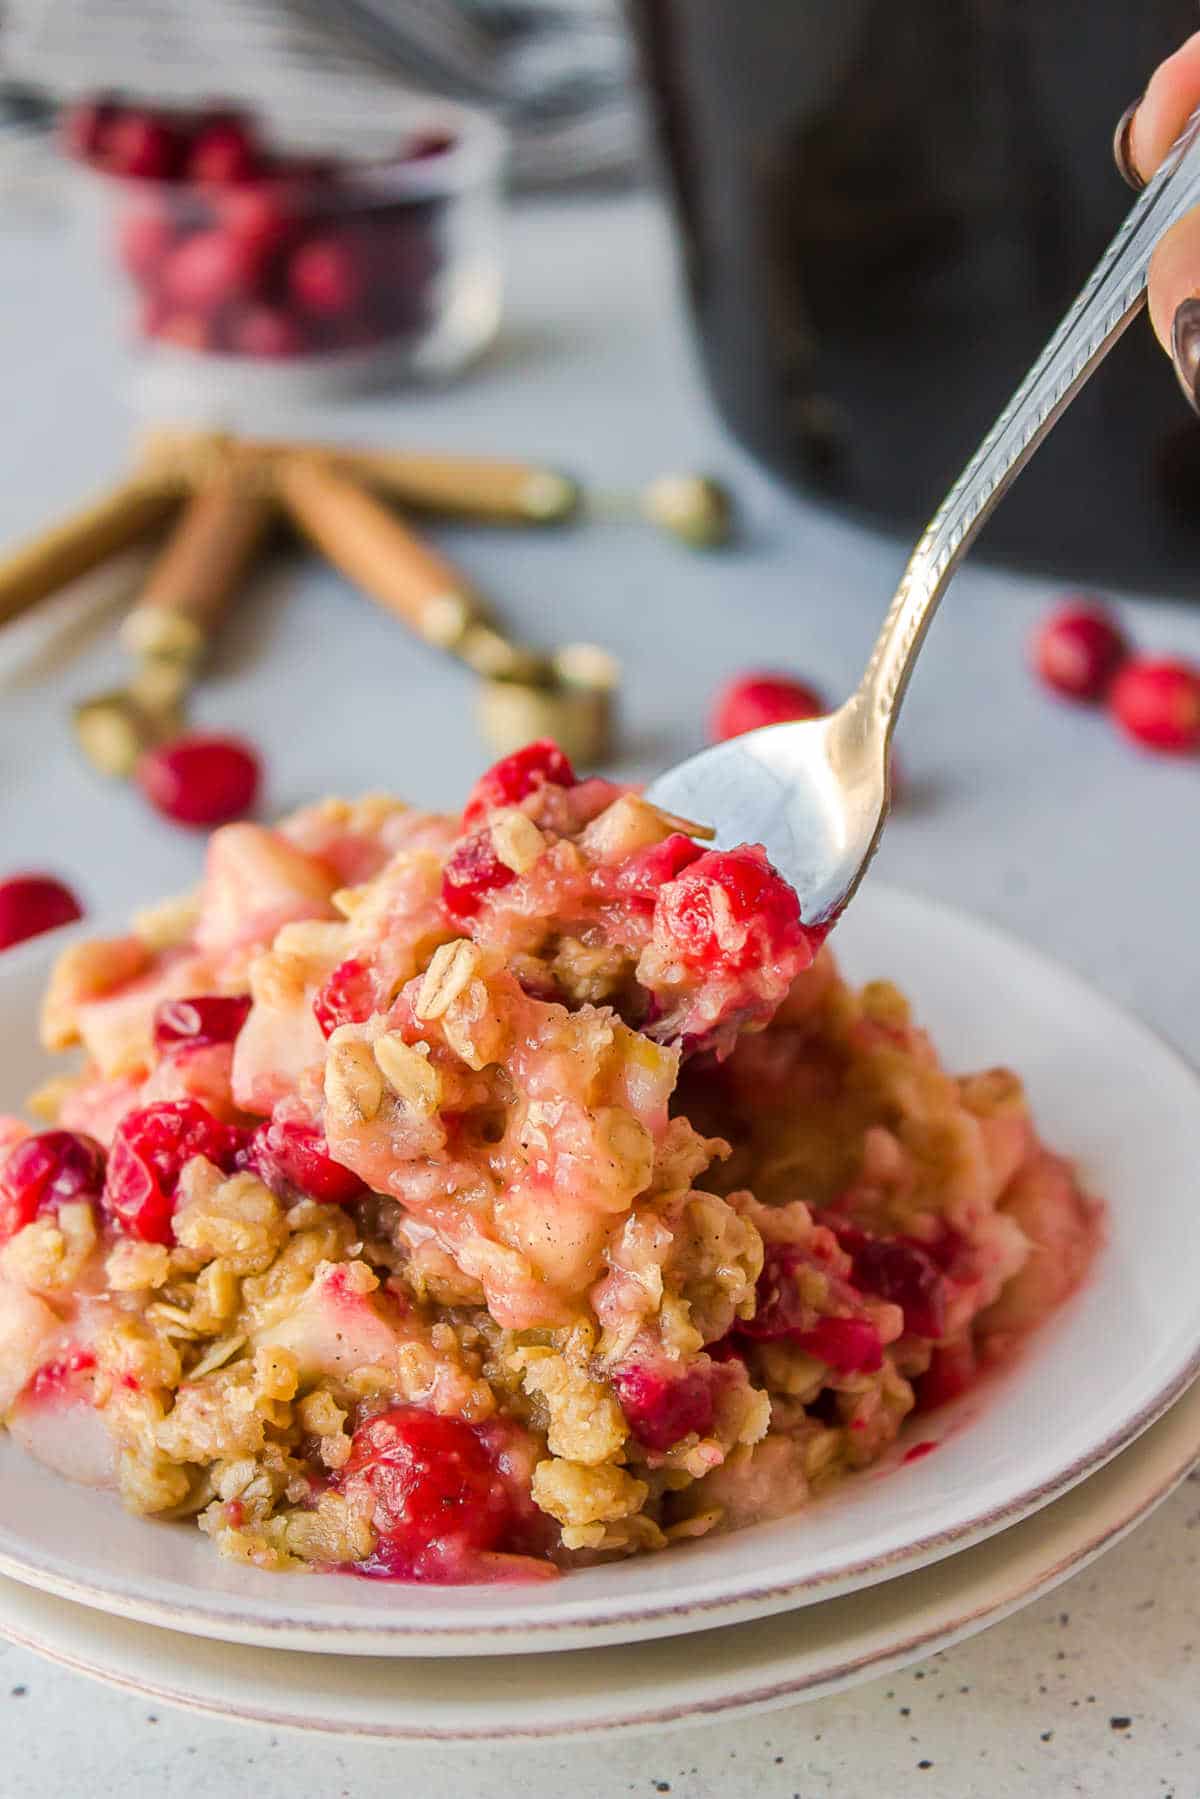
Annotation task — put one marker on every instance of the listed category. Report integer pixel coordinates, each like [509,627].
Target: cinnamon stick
[197,575]
[366,540]
[81,541]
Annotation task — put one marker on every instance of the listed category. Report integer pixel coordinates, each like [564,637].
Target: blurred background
[879,209]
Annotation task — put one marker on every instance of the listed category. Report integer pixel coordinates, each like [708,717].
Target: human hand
[1143,136]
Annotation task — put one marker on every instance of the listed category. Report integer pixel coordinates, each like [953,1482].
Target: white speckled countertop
[1030,813]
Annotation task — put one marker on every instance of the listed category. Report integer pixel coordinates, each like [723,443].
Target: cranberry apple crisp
[458,1198]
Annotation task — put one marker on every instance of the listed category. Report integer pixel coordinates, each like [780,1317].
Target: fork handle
[1112,297]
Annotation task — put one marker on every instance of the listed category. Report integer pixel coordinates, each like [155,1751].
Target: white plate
[1105,1090]
[643,1686]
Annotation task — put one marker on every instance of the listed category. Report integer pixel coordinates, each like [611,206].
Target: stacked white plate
[1031,1477]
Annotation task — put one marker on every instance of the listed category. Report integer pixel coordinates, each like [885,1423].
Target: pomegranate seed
[198,1023]
[661,1407]
[730,911]
[144,238]
[473,872]
[1156,701]
[513,778]
[142,145]
[435,1495]
[952,1370]
[223,153]
[291,1157]
[200,780]
[326,277]
[47,1171]
[347,997]
[149,1152]
[759,699]
[1077,650]
[849,1345]
[31,904]
[265,332]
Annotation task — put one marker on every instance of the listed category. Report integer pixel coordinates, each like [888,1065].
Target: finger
[1174,303]
[1164,110]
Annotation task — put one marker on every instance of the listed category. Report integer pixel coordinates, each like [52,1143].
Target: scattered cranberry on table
[1077,649]
[763,698]
[1156,701]
[31,904]
[239,251]
[200,780]
[1080,651]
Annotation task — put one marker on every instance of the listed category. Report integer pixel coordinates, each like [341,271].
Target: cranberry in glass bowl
[241,271]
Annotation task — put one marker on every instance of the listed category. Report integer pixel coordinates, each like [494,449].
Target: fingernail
[1122,155]
[1185,349]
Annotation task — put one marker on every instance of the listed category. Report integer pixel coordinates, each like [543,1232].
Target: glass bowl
[234,273]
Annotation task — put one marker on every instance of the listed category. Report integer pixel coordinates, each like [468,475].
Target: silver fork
[816,793]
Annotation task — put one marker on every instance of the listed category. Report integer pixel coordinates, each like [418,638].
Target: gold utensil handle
[371,546]
[197,575]
[80,542]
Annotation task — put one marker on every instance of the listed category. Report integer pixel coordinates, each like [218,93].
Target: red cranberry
[209,270]
[437,1498]
[198,1023]
[144,238]
[778,1309]
[185,330]
[849,1345]
[143,145]
[662,1407]
[730,910]
[292,1158]
[347,997]
[265,332]
[515,777]
[905,1273]
[47,1171]
[952,1370]
[754,700]
[83,127]
[31,904]
[257,215]
[473,872]
[1078,649]
[1156,701]
[200,780]
[223,152]
[327,276]
[149,1153]
[648,870]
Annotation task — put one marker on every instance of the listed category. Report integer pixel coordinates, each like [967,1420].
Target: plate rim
[1088,1534]
[374,1635]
